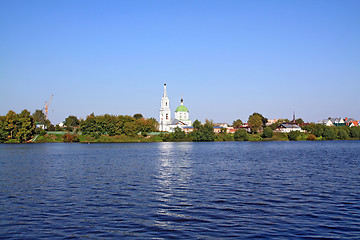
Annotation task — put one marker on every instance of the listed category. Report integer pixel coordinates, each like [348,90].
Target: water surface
[276,190]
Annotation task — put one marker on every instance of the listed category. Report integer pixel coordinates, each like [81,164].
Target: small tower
[165,113]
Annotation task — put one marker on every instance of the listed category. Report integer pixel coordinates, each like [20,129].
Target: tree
[138,116]
[196,124]
[330,133]
[72,121]
[267,133]
[343,134]
[241,135]
[130,129]
[178,134]
[237,123]
[26,126]
[203,133]
[355,132]
[255,122]
[299,121]
[39,116]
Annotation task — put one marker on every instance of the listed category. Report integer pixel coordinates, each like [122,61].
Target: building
[182,116]
[288,127]
[165,113]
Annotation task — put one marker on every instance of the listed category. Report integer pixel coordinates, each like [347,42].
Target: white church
[181,120]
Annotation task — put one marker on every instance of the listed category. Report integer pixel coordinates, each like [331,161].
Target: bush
[330,133]
[267,133]
[294,135]
[241,135]
[70,138]
[311,137]
[343,134]
[355,132]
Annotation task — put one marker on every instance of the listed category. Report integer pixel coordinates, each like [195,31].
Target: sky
[228,59]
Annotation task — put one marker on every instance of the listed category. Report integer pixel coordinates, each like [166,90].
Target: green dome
[181,108]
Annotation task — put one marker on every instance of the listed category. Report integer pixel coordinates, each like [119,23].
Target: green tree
[299,121]
[241,135]
[39,116]
[204,133]
[255,122]
[267,133]
[196,124]
[26,126]
[178,134]
[294,135]
[343,134]
[130,129]
[138,116]
[355,132]
[237,123]
[330,133]
[72,121]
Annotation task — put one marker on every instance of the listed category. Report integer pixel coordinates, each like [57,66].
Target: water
[275,190]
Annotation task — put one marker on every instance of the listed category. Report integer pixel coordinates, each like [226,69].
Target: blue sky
[227,58]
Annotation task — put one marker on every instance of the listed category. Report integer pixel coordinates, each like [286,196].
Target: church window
[167,116]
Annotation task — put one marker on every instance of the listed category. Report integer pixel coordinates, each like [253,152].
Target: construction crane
[47,107]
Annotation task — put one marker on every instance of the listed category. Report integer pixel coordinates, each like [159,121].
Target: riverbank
[60,137]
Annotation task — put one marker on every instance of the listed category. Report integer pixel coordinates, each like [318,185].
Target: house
[354,124]
[188,129]
[326,122]
[217,129]
[349,121]
[288,127]
[40,125]
[271,121]
[337,121]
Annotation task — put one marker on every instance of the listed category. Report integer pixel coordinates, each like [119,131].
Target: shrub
[241,135]
[330,133]
[294,135]
[267,133]
[70,138]
[355,132]
[311,137]
[343,134]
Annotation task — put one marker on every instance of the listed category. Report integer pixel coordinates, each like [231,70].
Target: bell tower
[165,113]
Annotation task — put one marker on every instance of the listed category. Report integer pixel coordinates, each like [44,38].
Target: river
[216,190]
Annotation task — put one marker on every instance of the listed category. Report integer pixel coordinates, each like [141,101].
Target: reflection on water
[173,175]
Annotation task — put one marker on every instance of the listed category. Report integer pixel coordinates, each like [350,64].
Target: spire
[165,93]
[182,101]
[294,121]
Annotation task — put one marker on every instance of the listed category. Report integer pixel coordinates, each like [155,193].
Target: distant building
[288,127]
[326,122]
[271,121]
[40,125]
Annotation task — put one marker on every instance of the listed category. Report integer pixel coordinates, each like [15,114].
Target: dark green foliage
[204,133]
[138,116]
[256,121]
[39,116]
[72,121]
[241,135]
[179,134]
[330,133]
[196,124]
[294,135]
[116,125]
[224,136]
[267,132]
[355,132]
[342,134]
[237,123]
[299,121]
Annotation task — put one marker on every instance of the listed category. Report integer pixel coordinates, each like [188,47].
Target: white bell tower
[165,113]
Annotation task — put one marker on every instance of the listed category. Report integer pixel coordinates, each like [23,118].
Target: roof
[289,125]
[181,108]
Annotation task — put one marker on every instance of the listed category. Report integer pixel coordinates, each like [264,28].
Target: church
[166,124]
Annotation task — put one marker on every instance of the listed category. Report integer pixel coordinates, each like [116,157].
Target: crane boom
[47,106]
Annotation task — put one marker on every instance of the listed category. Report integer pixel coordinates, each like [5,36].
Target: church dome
[181,108]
